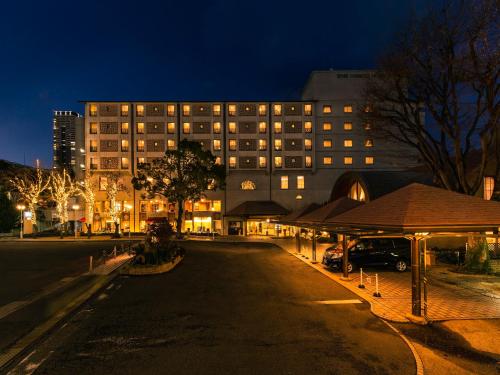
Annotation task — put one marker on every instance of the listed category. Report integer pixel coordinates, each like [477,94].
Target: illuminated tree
[30,188]
[87,190]
[180,175]
[61,188]
[113,185]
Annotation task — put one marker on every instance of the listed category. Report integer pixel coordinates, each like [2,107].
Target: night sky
[54,53]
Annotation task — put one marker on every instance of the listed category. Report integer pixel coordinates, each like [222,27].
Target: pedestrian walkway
[111,264]
[445,302]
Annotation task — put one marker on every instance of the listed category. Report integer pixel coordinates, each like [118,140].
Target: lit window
[308,109]
[262,144]
[93,163]
[368,108]
[369,160]
[300,182]
[347,126]
[140,128]
[141,161]
[170,144]
[327,126]
[277,127]
[284,182]
[231,109]
[308,144]
[124,109]
[262,127]
[232,128]
[93,128]
[348,108]
[489,186]
[217,127]
[140,145]
[356,192]
[93,146]
[218,160]
[278,162]
[171,127]
[216,109]
[327,143]
[262,162]
[124,145]
[170,110]
[124,163]
[217,146]
[277,144]
[262,109]
[368,142]
[140,110]
[308,162]
[348,160]
[186,127]
[308,127]
[232,144]
[93,110]
[327,160]
[327,108]
[367,126]
[124,127]
[186,110]
[347,142]
[277,109]
[232,162]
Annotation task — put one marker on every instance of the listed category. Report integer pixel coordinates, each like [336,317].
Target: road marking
[338,302]
[110,286]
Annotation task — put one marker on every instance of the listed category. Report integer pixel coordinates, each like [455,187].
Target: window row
[348,160]
[157,145]
[249,109]
[347,126]
[328,143]
[300,182]
[347,108]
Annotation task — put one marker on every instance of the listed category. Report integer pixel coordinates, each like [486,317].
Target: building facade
[286,153]
[68,142]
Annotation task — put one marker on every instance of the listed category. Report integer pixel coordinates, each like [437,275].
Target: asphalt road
[27,268]
[226,309]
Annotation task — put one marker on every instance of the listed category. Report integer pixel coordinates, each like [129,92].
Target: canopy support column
[416,297]
[345,257]
[313,249]
[297,240]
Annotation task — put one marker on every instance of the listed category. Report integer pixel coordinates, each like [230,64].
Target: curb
[418,361]
[27,341]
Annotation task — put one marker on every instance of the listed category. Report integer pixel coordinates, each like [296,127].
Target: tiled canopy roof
[295,215]
[422,208]
[258,208]
[329,210]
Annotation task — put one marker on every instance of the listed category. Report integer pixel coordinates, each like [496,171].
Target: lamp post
[21,208]
[75,207]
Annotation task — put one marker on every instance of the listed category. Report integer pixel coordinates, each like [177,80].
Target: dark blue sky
[54,53]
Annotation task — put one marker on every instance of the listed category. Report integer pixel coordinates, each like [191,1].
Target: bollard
[114,252]
[91,266]
[361,285]
[377,293]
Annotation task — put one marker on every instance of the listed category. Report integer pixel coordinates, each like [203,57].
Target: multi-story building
[280,155]
[68,142]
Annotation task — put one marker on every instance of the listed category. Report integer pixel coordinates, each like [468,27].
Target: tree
[8,215]
[443,69]
[180,175]
[87,190]
[30,188]
[113,185]
[62,187]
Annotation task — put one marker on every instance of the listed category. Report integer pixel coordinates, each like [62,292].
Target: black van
[373,252]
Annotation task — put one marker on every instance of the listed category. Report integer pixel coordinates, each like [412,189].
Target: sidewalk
[111,265]
[72,239]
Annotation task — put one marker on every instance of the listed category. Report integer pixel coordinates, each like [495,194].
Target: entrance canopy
[258,209]
[292,218]
[421,208]
[319,216]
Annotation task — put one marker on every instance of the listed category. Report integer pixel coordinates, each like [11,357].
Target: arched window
[356,192]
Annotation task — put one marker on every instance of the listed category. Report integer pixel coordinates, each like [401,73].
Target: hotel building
[280,155]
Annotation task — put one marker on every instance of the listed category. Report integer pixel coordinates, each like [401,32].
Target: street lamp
[21,208]
[75,207]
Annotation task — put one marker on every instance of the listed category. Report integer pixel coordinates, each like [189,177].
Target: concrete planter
[152,269]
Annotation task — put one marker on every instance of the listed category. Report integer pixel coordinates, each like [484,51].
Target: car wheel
[401,266]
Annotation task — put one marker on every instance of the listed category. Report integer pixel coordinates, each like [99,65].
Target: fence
[112,254]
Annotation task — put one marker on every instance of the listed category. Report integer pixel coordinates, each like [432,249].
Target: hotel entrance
[261,228]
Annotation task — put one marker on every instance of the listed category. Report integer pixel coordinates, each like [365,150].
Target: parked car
[372,252]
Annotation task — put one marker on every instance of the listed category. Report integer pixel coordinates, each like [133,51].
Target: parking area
[445,300]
